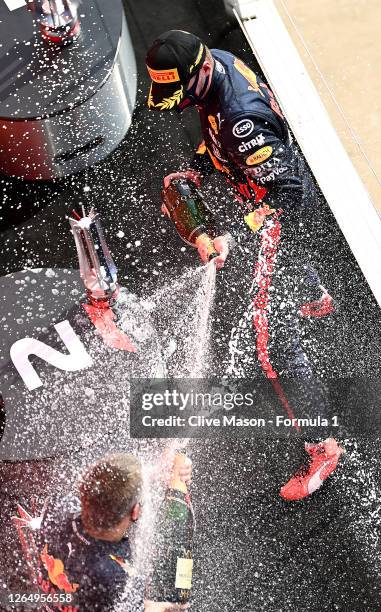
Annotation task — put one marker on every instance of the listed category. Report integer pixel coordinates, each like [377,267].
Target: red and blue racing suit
[247,139]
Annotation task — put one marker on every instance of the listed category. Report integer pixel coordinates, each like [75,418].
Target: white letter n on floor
[14,4]
[77,359]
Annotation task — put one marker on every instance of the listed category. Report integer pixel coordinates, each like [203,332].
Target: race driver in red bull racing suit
[246,137]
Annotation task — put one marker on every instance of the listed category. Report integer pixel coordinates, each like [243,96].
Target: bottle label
[184,572]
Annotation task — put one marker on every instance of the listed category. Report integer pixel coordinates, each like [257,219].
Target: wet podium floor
[254,552]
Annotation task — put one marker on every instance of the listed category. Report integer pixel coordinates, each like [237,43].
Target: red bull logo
[249,76]
[56,572]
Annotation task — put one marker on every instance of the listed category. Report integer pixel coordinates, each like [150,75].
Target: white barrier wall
[311,125]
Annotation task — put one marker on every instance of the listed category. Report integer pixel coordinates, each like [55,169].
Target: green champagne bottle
[171,576]
[193,220]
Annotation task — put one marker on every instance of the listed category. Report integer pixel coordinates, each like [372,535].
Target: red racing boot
[320,308]
[325,457]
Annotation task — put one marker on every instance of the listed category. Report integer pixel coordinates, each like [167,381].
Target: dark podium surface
[64,108]
[39,79]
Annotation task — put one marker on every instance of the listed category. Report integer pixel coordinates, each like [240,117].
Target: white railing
[338,180]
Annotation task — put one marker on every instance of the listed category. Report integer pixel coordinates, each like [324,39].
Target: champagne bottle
[193,220]
[171,577]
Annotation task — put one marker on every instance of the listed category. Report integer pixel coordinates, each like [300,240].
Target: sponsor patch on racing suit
[245,133]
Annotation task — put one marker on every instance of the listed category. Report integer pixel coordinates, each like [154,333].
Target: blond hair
[109,489]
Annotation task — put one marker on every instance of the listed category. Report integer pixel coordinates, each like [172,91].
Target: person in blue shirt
[85,549]
[246,138]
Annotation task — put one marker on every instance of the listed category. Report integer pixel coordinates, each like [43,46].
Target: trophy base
[64,107]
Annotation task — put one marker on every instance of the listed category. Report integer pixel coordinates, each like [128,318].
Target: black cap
[173,59]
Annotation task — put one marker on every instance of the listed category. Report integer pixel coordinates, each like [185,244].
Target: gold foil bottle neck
[176,483]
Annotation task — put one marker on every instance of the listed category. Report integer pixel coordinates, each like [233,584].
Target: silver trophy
[97,268]
[58,19]
[122,320]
